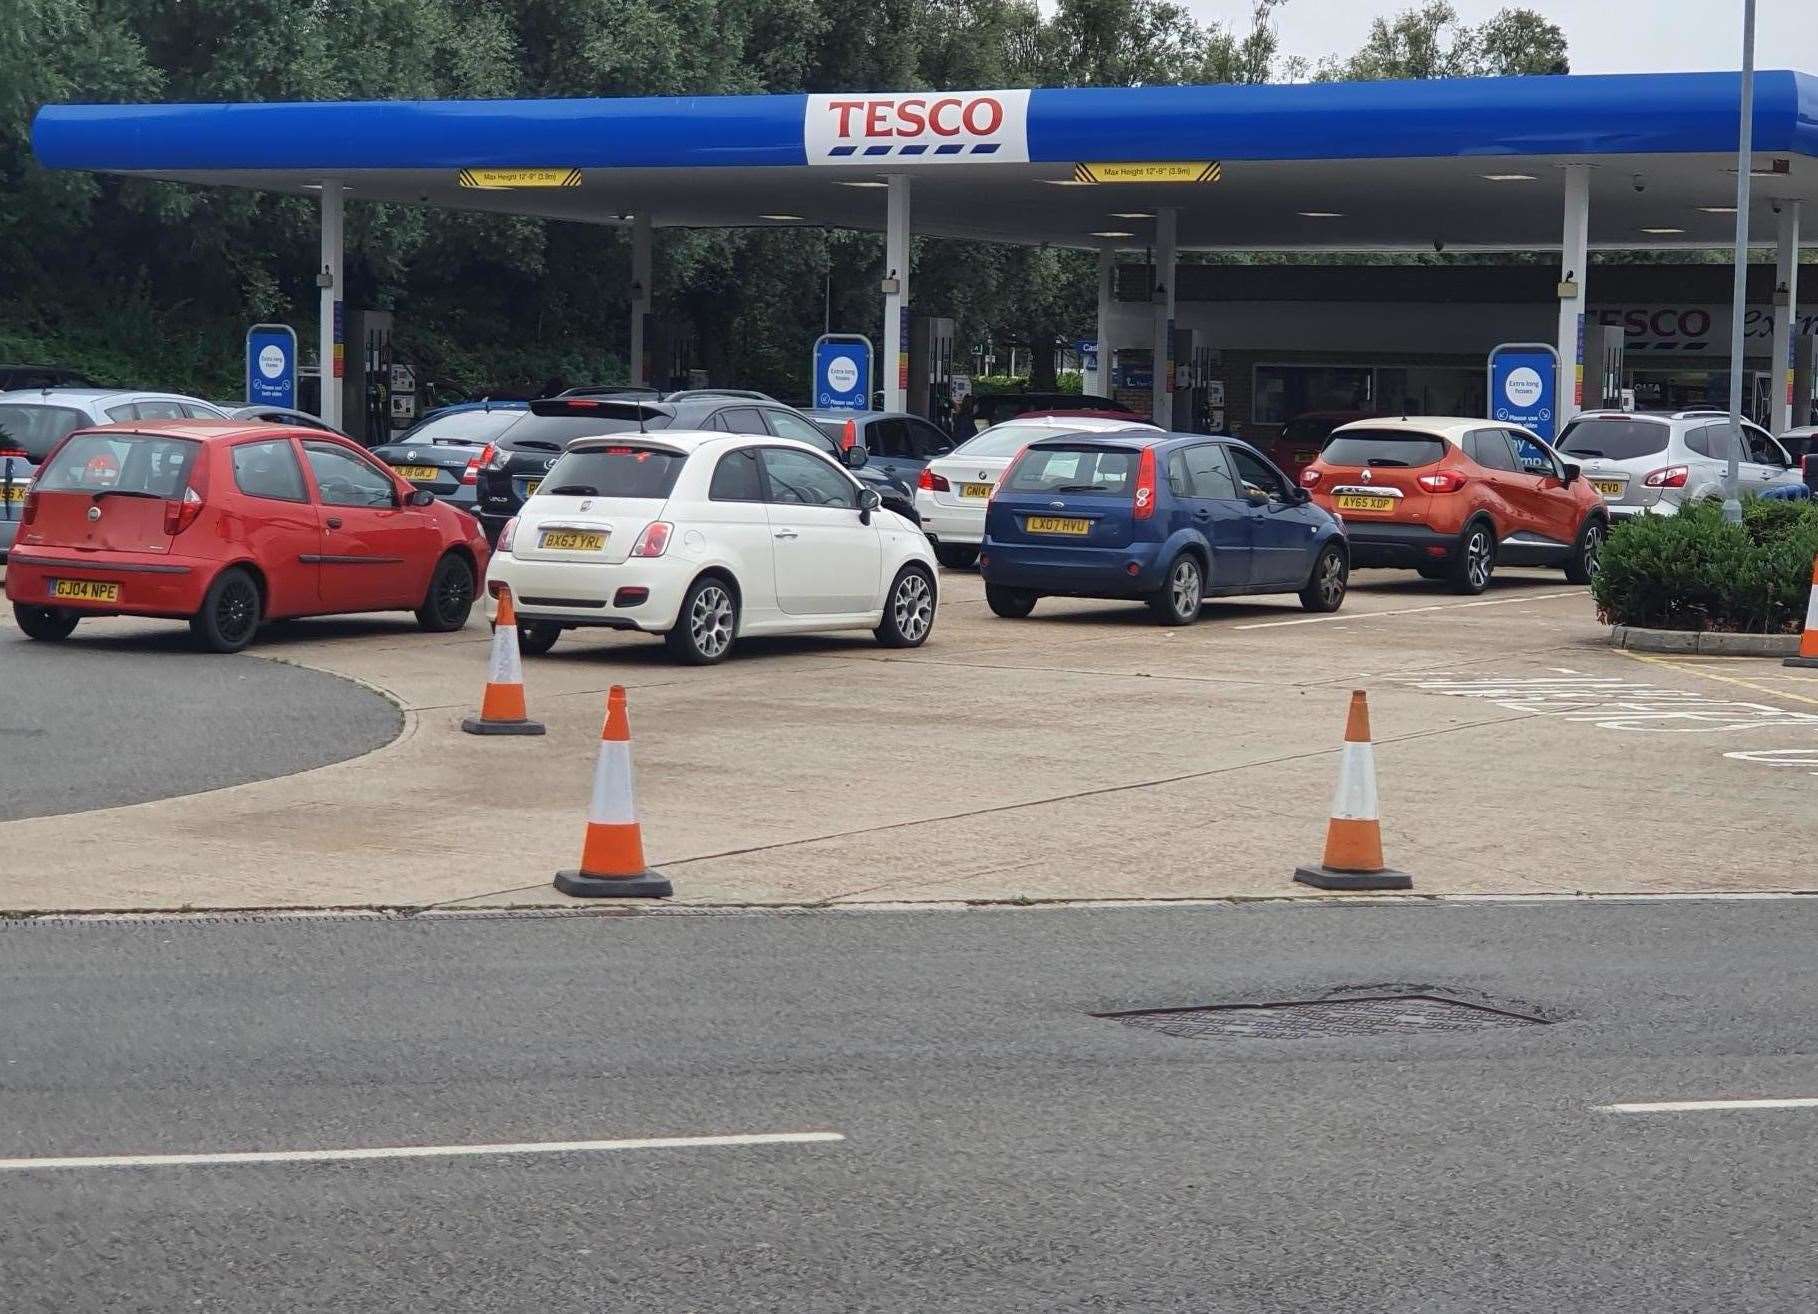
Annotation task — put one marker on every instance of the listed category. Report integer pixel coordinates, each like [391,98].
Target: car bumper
[950,524]
[1398,545]
[589,593]
[166,586]
[1081,572]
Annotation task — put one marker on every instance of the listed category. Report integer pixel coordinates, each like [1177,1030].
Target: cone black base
[473,725]
[1809,662]
[1324,878]
[650,885]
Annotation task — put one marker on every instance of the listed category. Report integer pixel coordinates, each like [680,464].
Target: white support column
[328,344]
[1786,315]
[640,299]
[1574,268]
[1161,403]
[893,351]
[1107,289]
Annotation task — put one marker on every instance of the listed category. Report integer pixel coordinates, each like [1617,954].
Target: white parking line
[1706,1106]
[418,1151]
[1407,611]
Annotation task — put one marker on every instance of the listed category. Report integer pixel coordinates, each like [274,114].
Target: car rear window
[614,472]
[474,427]
[1004,440]
[37,428]
[1382,447]
[551,433]
[1079,469]
[1613,439]
[122,463]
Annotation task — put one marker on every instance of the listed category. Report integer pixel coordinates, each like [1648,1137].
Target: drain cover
[1312,1019]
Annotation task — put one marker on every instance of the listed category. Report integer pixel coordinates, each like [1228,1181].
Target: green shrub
[1692,571]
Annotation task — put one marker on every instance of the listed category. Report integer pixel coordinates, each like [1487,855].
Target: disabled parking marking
[1698,670]
[1337,617]
[1709,1106]
[1613,703]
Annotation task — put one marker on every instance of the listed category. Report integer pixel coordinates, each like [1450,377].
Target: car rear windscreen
[36,428]
[476,427]
[121,463]
[1074,470]
[614,472]
[1613,439]
[551,433]
[1004,440]
[1382,447]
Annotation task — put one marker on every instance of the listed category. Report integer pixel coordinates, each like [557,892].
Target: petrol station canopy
[1471,163]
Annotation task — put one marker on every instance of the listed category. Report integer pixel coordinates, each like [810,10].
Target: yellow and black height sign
[497,179]
[1149,171]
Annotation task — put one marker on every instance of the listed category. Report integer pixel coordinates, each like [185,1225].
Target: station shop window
[1282,393]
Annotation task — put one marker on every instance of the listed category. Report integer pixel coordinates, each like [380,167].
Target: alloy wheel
[1477,559]
[456,591]
[1332,580]
[236,610]
[710,621]
[913,606]
[1184,587]
[1593,549]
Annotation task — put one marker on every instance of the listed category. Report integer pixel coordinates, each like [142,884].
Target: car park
[1643,461]
[442,452]
[1170,519]
[1453,498]
[706,537]
[994,408]
[952,491]
[227,525]
[897,443]
[512,467]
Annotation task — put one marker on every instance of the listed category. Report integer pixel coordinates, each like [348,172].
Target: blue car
[1167,518]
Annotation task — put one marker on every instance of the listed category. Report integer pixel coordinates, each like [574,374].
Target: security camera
[1439,243]
[1640,183]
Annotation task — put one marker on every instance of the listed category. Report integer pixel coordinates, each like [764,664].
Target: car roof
[66,396]
[684,440]
[1074,423]
[1452,428]
[210,430]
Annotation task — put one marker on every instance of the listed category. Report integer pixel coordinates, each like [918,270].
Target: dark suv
[509,469]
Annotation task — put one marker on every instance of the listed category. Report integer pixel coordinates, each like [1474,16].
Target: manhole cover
[1312,1019]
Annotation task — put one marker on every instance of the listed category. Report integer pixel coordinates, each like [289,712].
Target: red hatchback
[228,524]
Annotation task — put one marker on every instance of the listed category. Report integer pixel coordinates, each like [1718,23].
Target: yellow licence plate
[17,492]
[418,472]
[1057,525]
[975,490]
[85,590]
[573,540]
[1609,487]
[530,488]
[1358,502]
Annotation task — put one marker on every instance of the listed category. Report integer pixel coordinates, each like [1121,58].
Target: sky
[1602,36]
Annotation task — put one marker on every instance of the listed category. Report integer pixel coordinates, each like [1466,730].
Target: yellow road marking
[1711,675]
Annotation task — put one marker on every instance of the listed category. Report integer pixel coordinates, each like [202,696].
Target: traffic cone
[502,708]
[1353,859]
[1808,642]
[612,854]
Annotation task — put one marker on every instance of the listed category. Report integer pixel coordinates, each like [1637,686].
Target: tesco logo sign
[919,127]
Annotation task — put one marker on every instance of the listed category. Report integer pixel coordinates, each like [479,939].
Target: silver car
[1643,461]
[33,420]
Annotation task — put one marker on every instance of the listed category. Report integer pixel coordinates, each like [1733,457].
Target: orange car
[1454,498]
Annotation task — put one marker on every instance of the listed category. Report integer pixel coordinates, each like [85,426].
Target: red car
[230,523]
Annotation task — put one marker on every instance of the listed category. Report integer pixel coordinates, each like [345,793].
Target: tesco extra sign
[924,127]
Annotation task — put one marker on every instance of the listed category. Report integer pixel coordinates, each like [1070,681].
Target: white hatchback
[954,490]
[705,538]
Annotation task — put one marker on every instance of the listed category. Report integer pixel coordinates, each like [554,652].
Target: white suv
[1642,461]
[708,537]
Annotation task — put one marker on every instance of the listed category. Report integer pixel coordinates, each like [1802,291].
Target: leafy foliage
[1693,571]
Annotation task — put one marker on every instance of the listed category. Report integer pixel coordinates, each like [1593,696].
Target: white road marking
[1704,1106]
[1407,611]
[418,1151]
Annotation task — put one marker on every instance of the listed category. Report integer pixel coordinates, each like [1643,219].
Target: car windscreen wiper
[125,492]
[1081,488]
[1386,460]
[572,490]
[1581,451]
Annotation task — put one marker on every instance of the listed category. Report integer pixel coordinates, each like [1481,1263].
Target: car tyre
[908,610]
[707,623]
[1435,570]
[537,637]
[1326,586]
[1587,552]
[449,600]
[231,611]
[1011,604]
[1475,560]
[1183,588]
[48,624]
[956,556]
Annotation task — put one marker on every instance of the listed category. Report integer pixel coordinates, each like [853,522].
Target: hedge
[1692,571]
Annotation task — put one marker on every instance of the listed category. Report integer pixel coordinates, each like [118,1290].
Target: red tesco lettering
[915,116]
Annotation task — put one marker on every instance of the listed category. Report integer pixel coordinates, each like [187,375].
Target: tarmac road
[105,721]
[1004,1150]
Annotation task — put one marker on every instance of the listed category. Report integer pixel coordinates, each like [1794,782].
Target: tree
[1430,42]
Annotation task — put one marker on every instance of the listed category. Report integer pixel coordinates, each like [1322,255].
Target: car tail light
[1144,504]
[849,435]
[1309,477]
[471,475]
[932,482]
[13,453]
[1442,481]
[505,535]
[654,541]
[181,511]
[1674,476]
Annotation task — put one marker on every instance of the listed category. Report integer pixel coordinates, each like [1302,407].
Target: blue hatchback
[1167,518]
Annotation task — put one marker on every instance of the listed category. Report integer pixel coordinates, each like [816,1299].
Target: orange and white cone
[1353,858]
[1808,642]
[502,710]
[612,854]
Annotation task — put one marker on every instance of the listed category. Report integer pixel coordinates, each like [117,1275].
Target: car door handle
[787,533]
[334,522]
[1202,514]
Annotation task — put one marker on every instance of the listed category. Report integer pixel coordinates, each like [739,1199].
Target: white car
[953,490]
[705,538]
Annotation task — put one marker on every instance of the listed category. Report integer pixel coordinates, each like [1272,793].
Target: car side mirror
[869,500]
[1301,496]
[856,456]
[420,497]
[1572,471]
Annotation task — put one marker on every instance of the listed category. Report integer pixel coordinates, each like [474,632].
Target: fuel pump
[1602,365]
[930,393]
[1805,381]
